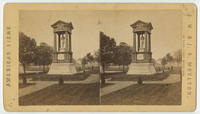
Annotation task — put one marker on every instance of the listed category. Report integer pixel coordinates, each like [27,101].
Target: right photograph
[140,57]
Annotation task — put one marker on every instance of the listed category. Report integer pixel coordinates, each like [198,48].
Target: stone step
[141,68]
[62,68]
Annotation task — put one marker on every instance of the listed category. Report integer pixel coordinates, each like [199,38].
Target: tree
[107,46]
[74,61]
[43,55]
[90,59]
[178,56]
[84,62]
[96,56]
[122,55]
[169,58]
[26,51]
[164,61]
[153,61]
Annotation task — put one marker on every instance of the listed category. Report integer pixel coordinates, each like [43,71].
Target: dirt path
[117,85]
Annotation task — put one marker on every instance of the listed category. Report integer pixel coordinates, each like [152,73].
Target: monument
[62,56]
[142,56]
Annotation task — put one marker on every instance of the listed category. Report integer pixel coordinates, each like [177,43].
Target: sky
[166,33]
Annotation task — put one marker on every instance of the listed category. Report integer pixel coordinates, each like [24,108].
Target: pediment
[140,25]
[62,24]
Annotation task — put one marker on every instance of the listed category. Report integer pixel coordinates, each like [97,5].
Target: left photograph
[58,58]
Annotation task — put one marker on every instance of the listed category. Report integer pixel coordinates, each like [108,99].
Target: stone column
[134,42]
[55,48]
[70,43]
[149,42]
[67,44]
[145,42]
[70,47]
[61,41]
[66,47]
[138,41]
[58,42]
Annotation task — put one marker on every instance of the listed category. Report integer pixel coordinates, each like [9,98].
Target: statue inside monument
[142,46]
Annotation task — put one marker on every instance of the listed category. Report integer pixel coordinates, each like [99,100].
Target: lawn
[46,77]
[25,85]
[67,94]
[146,94]
[125,77]
[105,85]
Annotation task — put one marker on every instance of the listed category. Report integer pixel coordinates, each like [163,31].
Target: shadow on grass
[145,94]
[66,94]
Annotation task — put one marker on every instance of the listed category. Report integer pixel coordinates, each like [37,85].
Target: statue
[62,43]
[141,48]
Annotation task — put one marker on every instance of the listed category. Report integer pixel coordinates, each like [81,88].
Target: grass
[88,94]
[146,94]
[25,85]
[106,84]
[67,94]
[120,76]
[116,68]
[125,77]
[31,75]
[46,77]
[75,77]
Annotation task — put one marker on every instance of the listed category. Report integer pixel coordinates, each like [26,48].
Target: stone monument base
[62,68]
[141,69]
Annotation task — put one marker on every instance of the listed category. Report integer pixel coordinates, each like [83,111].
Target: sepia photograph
[58,58]
[141,58]
[138,57]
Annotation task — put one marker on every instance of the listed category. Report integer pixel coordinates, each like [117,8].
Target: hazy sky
[166,35]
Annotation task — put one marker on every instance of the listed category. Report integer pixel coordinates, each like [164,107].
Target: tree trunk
[83,67]
[43,68]
[139,81]
[123,68]
[60,81]
[164,69]
[24,67]
[103,67]
[103,81]
[24,75]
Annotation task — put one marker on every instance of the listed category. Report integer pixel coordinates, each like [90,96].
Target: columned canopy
[62,42]
[141,42]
